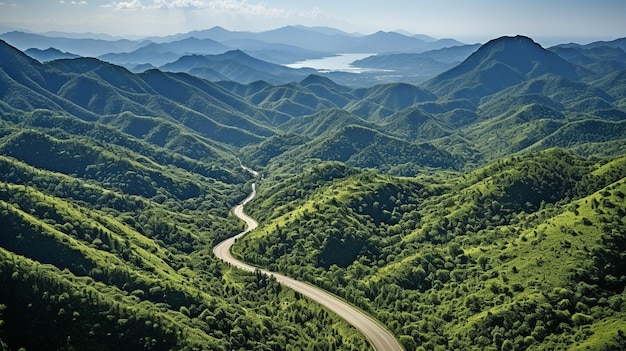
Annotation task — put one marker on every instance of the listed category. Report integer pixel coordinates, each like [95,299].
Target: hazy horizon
[545,41]
[548,23]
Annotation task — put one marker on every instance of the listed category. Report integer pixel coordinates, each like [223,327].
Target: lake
[338,63]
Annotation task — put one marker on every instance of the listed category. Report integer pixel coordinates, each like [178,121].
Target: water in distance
[337,63]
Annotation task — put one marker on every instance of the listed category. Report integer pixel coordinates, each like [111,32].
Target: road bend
[380,338]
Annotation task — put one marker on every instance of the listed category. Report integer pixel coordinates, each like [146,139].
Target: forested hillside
[524,253]
[482,210]
[109,209]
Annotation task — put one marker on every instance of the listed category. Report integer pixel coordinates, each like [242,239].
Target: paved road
[379,337]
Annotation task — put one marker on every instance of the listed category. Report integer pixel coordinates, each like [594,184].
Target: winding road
[380,338]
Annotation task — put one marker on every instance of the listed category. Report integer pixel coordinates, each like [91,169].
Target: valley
[380,338]
[479,207]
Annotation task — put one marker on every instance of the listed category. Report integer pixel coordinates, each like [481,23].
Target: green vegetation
[525,253]
[482,211]
[108,218]
[89,266]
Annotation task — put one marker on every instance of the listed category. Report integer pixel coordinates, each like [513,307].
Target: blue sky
[547,21]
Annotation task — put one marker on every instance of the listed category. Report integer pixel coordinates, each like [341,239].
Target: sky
[471,21]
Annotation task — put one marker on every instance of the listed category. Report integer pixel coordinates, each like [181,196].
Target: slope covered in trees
[524,253]
[482,210]
[108,220]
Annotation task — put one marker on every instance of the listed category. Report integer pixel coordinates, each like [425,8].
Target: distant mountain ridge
[279,46]
[82,47]
[415,68]
[159,54]
[399,56]
[499,87]
[49,54]
[237,66]
[321,39]
[601,59]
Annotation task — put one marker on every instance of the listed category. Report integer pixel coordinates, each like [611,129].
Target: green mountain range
[481,210]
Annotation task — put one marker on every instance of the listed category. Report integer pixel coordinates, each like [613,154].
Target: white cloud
[184,3]
[125,5]
[73,2]
[243,7]
[148,16]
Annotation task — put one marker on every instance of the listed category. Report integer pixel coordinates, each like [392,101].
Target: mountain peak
[519,37]
[509,42]
[498,64]
[236,52]
[49,54]
[317,79]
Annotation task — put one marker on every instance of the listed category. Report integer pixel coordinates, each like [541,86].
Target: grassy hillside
[104,247]
[524,253]
[367,148]
[108,217]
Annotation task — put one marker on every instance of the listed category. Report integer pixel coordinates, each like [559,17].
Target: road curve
[379,337]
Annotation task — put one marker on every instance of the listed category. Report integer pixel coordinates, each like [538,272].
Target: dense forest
[524,253]
[482,210]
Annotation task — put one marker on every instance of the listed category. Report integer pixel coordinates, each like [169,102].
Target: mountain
[328,89]
[235,66]
[49,54]
[87,35]
[407,62]
[415,125]
[496,65]
[415,68]
[275,53]
[83,47]
[106,215]
[424,37]
[159,54]
[323,40]
[614,84]
[295,36]
[253,43]
[554,91]
[453,54]
[96,87]
[385,42]
[390,97]
[412,65]
[617,43]
[322,122]
[482,210]
[216,33]
[243,113]
[318,39]
[363,147]
[509,236]
[325,30]
[600,60]
[284,46]
[141,68]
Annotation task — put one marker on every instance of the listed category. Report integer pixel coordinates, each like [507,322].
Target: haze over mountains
[482,208]
[393,57]
[280,46]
